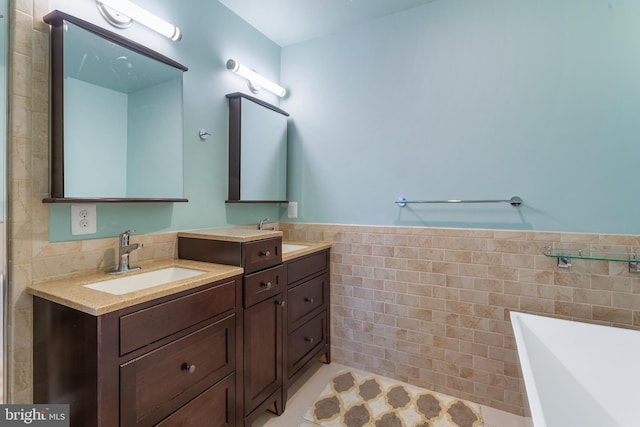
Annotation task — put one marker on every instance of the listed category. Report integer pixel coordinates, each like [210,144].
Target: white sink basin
[286,248]
[135,282]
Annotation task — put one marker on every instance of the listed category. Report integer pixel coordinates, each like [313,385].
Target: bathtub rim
[531,389]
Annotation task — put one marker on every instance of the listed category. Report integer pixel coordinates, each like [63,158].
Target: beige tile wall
[27,153]
[431,306]
[32,258]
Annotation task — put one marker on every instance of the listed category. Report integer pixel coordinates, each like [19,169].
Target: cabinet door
[262,351]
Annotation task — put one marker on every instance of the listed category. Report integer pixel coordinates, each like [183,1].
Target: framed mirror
[257,151]
[117,121]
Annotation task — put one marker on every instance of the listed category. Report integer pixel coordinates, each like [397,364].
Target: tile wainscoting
[430,306]
[426,306]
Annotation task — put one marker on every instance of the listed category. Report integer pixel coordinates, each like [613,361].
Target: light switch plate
[292,210]
[83,219]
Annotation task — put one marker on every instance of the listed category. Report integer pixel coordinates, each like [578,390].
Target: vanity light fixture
[256,81]
[121,13]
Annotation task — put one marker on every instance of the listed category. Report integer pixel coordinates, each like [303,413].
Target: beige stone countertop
[310,247]
[232,234]
[71,292]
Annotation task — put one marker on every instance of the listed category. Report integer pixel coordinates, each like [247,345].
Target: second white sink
[136,282]
[286,247]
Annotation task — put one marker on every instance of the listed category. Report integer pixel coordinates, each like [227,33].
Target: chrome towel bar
[515,201]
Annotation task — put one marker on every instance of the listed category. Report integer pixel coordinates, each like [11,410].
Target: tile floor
[305,391]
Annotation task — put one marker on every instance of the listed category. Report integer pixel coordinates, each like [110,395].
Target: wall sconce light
[121,13]
[256,81]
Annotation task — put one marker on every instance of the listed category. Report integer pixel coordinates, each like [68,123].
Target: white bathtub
[577,374]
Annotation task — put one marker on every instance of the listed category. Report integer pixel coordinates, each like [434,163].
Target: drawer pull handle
[189,368]
[266,285]
[265,253]
[280,303]
[309,300]
[309,340]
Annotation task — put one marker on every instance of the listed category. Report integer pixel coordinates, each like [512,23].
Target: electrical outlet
[83,219]
[292,210]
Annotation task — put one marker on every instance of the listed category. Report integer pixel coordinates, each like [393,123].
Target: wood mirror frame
[56,19]
[243,165]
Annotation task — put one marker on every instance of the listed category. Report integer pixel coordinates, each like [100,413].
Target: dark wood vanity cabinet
[307,326]
[263,329]
[157,363]
[264,305]
[285,316]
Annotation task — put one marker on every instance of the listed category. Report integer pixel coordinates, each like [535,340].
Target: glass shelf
[565,255]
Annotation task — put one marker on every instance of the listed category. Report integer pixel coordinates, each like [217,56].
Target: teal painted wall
[464,99]
[456,99]
[211,35]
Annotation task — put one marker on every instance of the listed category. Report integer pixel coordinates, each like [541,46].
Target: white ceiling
[292,21]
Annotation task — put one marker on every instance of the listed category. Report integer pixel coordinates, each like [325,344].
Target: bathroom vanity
[216,348]
[150,357]
[286,308]
[307,323]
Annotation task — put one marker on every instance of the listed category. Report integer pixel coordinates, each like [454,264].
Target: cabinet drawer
[146,326]
[305,299]
[156,384]
[307,266]
[303,342]
[215,408]
[262,285]
[262,254]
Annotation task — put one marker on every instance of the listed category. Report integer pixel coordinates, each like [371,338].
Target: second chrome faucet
[262,227]
[124,249]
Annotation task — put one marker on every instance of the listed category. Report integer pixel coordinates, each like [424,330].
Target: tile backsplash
[426,306]
[431,306]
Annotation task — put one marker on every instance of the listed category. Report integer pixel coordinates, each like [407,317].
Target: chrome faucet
[125,248]
[261,224]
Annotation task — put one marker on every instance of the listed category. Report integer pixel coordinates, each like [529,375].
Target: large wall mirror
[257,151]
[117,121]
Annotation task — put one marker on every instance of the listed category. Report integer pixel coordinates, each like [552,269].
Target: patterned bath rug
[353,399]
